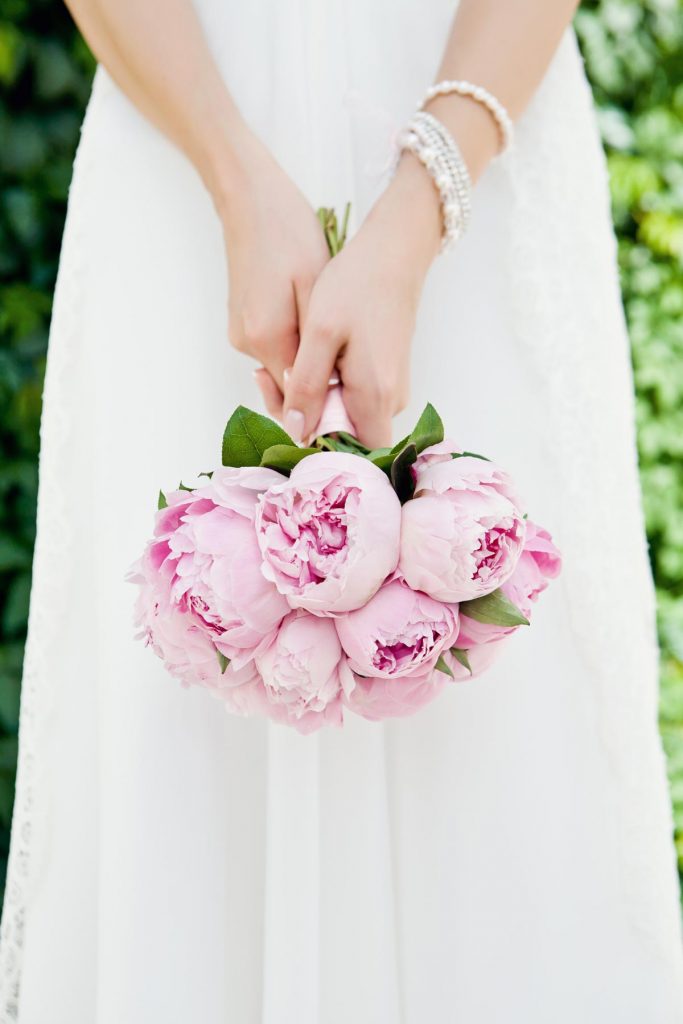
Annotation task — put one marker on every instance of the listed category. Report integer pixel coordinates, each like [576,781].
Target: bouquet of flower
[297,583]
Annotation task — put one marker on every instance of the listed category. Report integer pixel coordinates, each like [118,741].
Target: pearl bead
[433,145]
[480,95]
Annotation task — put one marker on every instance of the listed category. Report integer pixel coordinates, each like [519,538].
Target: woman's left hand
[361,314]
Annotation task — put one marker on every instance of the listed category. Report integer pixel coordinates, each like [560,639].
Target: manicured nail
[294,424]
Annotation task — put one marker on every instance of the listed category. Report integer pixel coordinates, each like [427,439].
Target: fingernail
[294,424]
[287,374]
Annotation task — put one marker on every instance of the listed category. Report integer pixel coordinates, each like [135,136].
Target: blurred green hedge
[634,57]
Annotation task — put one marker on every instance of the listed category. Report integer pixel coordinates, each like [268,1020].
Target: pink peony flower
[399,632]
[376,699]
[243,692]
[257,700]
[463,532]
[206,555]
[304,668]
[189,655]
[329,535]
[441,452]
[539,562]
[187,650]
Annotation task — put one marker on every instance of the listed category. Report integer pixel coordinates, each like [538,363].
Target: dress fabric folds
[506,854]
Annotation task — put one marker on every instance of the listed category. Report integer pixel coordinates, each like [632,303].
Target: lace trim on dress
[565,305]
[51,561]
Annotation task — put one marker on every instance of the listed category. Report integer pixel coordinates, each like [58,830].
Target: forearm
[156,52]
[505,46]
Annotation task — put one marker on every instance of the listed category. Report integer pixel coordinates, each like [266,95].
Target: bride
[505,855]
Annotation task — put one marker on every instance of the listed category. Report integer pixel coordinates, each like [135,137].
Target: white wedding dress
[505,856]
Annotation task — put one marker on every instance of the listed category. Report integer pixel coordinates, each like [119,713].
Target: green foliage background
[634,57]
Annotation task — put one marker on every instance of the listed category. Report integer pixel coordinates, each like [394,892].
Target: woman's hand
[361,313]
[276,249]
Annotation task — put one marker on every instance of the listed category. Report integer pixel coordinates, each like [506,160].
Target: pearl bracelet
[436,149]
[480,95]
[453,176]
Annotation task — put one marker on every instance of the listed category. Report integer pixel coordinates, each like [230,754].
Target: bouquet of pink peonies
[295,583]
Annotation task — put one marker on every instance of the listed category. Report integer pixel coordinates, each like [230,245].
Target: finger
[372,430]
[272,396]
[309,437]
[276,354]
[269,336]
[282,360]
[302,294]
[370,414]
[275,351]
[307,382]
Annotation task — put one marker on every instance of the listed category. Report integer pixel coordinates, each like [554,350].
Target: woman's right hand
[275,250]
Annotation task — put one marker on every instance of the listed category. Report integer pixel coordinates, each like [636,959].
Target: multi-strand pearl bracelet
[434,146]
[437,150]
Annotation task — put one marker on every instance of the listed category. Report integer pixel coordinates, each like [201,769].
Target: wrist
[225,157]
[472,127]
[412,207]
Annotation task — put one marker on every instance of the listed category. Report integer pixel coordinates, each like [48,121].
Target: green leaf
[494,609]
[284,457]
[8,753]
[12,52]
[428,430]
[15,612]
[470,455]
[248,435]
[182,487]
[441,666]
[222,661]
[382,458]
[11,654]
[401,473]
[13,554]
[10,699]
[162,503]
[462,658]
[6,798]
[400,444]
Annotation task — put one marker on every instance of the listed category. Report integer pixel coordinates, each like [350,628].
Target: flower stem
[334,237]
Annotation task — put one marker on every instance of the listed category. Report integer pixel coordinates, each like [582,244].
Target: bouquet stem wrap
[334,416]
